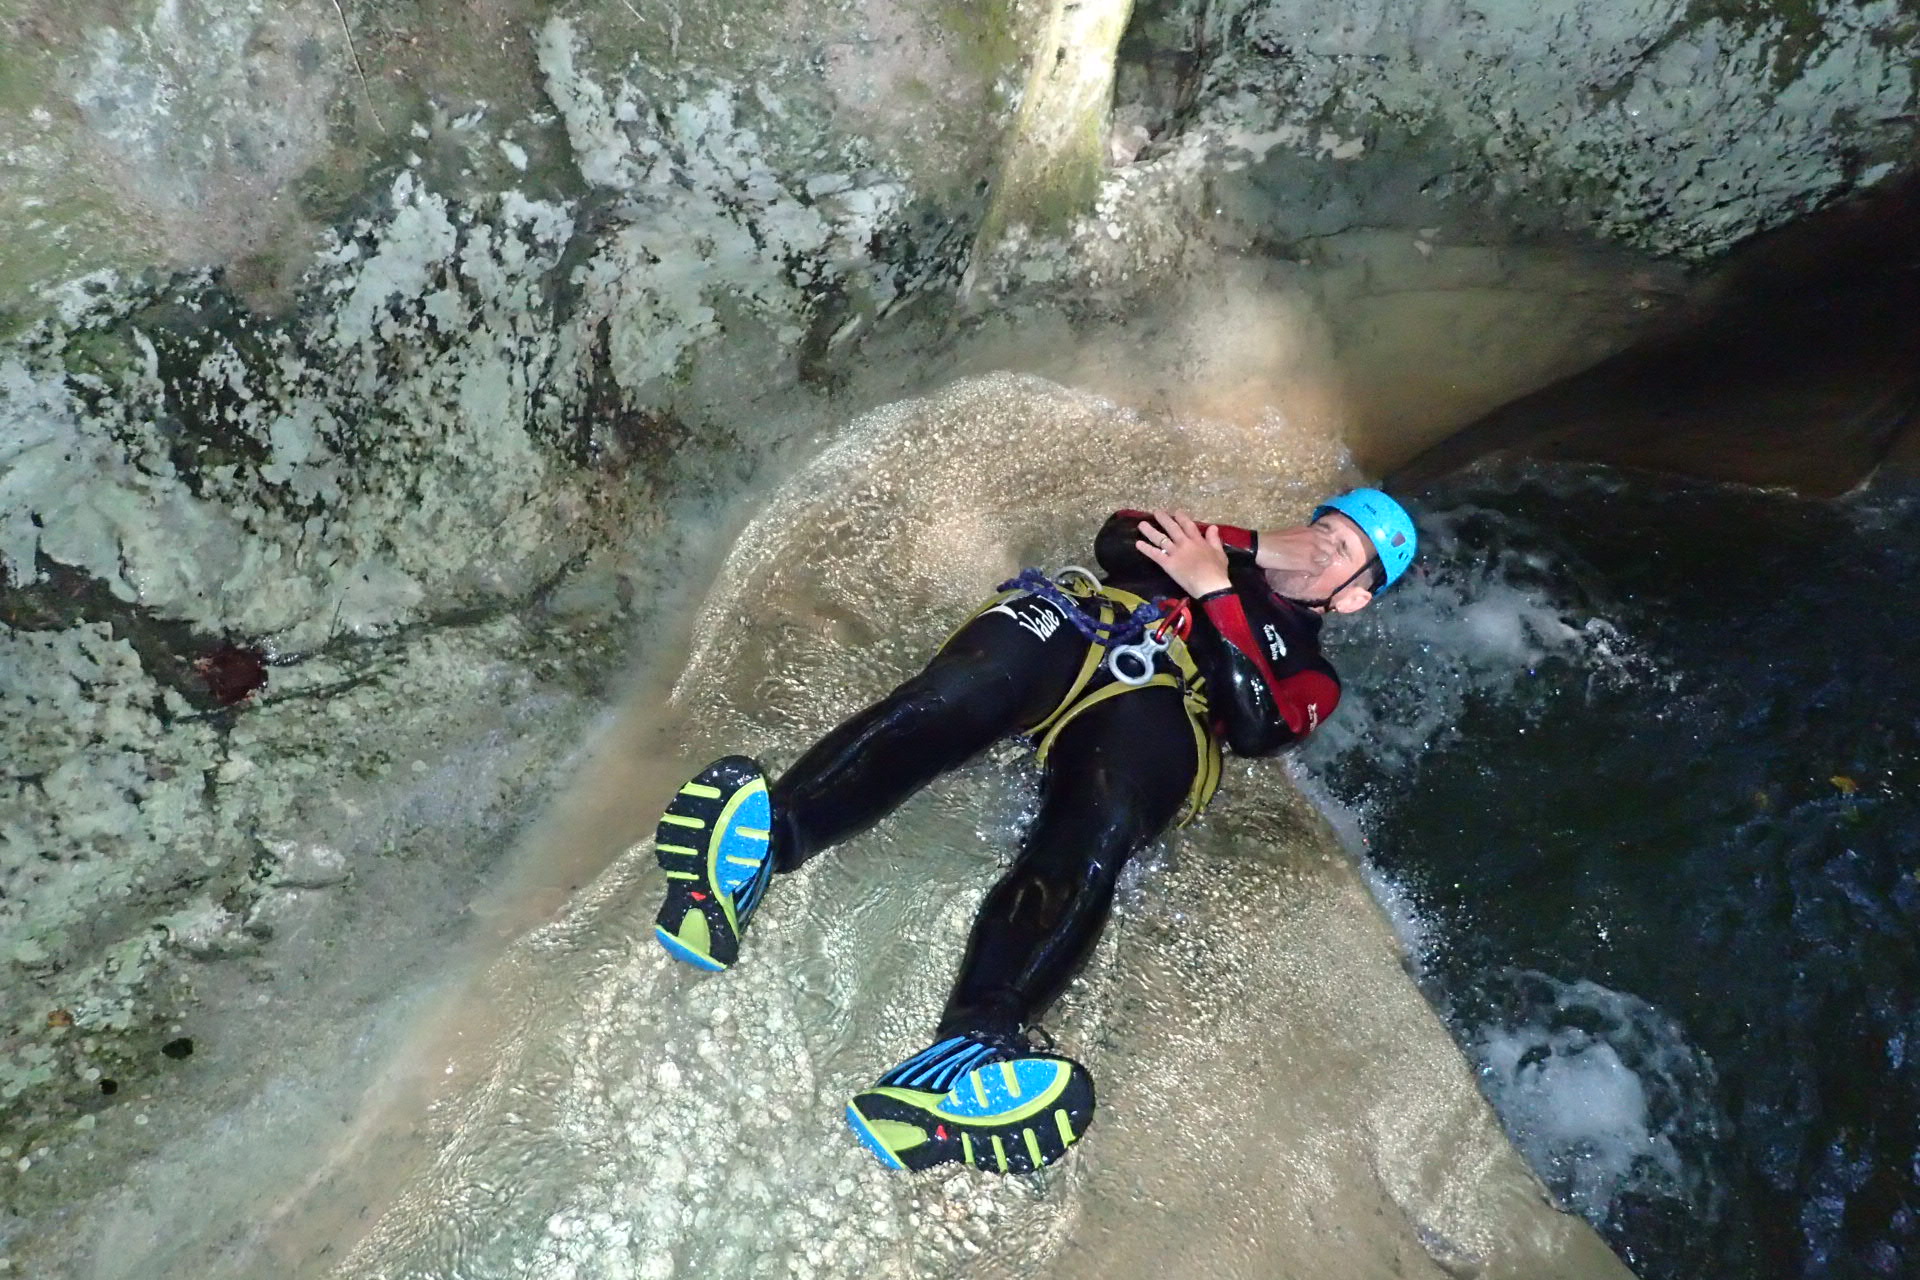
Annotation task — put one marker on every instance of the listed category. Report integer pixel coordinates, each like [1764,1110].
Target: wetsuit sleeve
[1278,686]
[1116,547]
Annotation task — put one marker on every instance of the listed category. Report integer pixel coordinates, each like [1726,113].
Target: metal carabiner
[1075,571]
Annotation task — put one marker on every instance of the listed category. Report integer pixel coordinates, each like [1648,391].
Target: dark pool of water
[1644,759]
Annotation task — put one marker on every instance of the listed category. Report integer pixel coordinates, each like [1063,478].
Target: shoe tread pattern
[1049,1101]
[712,843]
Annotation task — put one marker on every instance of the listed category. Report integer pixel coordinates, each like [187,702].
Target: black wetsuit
[1115,778]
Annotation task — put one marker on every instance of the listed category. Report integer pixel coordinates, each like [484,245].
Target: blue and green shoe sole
[1013,1116]
[713,844]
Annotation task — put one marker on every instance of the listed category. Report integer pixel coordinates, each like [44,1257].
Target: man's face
[1348,551]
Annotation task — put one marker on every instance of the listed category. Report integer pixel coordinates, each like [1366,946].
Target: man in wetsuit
[1126,749]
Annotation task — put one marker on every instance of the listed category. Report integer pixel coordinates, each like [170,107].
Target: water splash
[1493,604]
[1602,1092]
[1710,805]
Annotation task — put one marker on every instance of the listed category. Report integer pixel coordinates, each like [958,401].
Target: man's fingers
[1315,545]
[1170,530]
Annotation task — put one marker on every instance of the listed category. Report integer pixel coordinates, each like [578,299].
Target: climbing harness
[1132,643]
[1035,583]
[1128,635]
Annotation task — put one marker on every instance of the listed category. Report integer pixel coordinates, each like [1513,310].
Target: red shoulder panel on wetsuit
[1304,696]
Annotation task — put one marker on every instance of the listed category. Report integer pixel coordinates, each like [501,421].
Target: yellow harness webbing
[1109,604]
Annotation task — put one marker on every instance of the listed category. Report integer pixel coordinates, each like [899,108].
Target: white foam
[1602,1093]
[1468,624]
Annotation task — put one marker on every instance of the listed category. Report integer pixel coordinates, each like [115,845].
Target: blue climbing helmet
[1384,521]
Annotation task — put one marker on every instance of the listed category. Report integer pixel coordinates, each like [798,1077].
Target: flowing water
[1630,765]
[1648,811]
[1270,1080]
[561,1101]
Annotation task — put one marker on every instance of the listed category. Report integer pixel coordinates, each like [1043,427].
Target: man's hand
[1295,558]
[1305,548]
[1196,561]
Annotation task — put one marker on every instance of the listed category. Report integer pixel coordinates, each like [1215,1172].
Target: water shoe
[988,1102]
[713,843]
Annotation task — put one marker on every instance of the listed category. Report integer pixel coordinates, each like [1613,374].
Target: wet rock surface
[322,544]
[1670,125]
